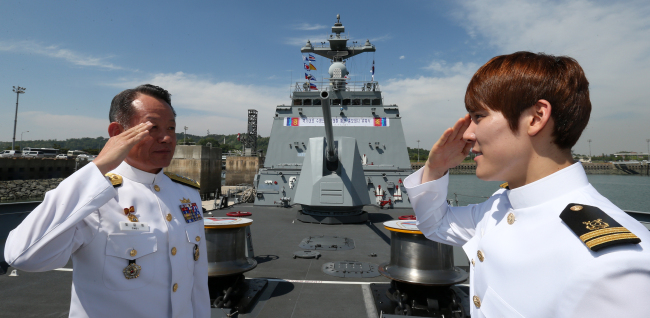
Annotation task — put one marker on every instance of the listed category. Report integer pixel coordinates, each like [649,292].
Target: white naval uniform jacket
[536,266]
[80,218]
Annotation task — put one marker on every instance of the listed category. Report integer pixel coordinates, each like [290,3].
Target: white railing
[348,86]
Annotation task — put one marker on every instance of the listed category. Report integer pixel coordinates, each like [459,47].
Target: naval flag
[305,59]
[310,77]
[313,87]
[372,71]
[312,58]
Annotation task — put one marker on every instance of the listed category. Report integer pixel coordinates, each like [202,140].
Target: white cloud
[55,51]
[201,104]
[402,57]
[611,40]
[309,27]
[223,105]
[45,126]
[315,40]
[430,104]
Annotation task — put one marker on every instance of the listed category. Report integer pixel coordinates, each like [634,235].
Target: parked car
[32,154]
[11,153]
[62,156]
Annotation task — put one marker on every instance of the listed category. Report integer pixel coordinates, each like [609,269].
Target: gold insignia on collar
[115,179]
[576,208]
[183,200]
[183,180]
[595,225]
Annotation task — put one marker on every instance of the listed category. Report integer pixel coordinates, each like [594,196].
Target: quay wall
[35,168]
[242,169]
[200,163]
[590,168]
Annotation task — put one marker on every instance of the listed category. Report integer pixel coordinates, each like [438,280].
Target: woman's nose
[469,134]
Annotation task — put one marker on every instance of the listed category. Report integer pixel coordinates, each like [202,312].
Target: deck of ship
[299,287]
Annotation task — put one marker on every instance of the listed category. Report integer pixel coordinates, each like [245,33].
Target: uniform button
[511,218]
[473,263]
[133,252]
[157,188]
[198,238]
[169,217]
[173,251]
[480,255]
[176,288]
[477,301]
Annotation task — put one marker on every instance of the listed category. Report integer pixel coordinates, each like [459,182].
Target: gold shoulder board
[183,180]
[115,179]
[595,228]
[504,185]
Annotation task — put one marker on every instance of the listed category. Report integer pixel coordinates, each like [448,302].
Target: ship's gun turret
[331,157]
[332,187]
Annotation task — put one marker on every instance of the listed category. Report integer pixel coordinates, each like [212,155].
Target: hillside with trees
[94,145]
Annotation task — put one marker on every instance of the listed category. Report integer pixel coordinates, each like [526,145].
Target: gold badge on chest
[132,270]
[196,252]
[130,213]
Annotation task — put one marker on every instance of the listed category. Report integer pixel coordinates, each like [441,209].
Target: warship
[331,231]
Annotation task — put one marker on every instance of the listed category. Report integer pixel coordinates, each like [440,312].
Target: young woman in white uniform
[550,245]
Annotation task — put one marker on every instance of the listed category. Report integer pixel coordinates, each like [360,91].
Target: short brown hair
[512,83]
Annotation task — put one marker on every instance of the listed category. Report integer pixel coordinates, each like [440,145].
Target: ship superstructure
[357,111]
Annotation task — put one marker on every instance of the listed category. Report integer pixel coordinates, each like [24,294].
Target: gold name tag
[134,226]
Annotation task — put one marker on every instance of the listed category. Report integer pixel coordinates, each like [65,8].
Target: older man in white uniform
[135,234]
[550,245]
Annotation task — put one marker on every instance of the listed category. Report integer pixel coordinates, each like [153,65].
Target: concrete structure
[242,169]
[200,163]
[35,168]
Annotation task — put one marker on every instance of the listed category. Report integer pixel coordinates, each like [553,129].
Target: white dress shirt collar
[549,187]
[137,175]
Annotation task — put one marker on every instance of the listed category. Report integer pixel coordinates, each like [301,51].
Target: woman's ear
[540,116]
[115,129]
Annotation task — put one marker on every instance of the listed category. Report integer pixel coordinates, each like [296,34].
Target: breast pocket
[120,249]
[493,306]
[195,233]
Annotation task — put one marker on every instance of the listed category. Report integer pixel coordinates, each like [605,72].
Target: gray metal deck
[276,235]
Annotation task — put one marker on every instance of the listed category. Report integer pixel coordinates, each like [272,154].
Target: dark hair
[122,105]
[513,83]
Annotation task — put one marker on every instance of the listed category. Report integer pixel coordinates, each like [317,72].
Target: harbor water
[630,193]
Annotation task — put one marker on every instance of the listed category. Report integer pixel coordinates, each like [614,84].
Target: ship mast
[338,52]
[338,49]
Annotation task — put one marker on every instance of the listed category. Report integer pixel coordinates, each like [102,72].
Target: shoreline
[635,169]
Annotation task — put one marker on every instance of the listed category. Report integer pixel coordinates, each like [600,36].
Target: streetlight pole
[185,136]
[21,140]
[418,151]
[648,141]
[18,90]
[589,148]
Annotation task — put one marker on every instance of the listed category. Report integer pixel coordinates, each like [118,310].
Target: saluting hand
[448,151]
[118,146]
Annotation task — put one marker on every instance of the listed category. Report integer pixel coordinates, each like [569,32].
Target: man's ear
[115,129]
[540,117]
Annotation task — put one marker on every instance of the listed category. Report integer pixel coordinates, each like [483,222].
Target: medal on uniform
[132,270]
[130,213]
[196,252]
[190,211]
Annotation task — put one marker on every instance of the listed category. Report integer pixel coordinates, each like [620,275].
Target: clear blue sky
[220,58]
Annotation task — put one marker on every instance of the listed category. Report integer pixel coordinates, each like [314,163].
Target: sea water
[628,192]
